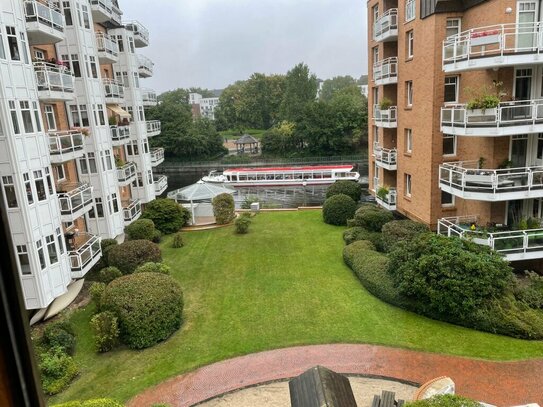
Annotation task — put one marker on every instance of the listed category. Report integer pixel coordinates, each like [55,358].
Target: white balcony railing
[157,156]
[161,183]
[513,244]
[119,133]
[385,117]
[466,180]
[141,34]
[74,197]
[126,173]
[113,89]
[84,252]
[153,127]
[131,209]
[386,26]
[107,45]
[53,78]
[387,200]
[386,71]
[65,143]
[47,13]
[145,66]
[149,97]
[385,157]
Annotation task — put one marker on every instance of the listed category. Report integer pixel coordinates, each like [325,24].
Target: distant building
[203,107]
[364,89]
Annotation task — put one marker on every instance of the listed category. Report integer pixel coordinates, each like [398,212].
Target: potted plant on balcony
[483,104]
[385,104]
[382,193]
[119,162]
[112,121]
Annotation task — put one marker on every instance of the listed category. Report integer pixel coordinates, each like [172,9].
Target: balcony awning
[120,111]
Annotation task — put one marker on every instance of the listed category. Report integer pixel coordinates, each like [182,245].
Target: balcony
[385,72]
[114,91]
[386,27]
[149,97]
[507,119]
[153,128]
[75,200]
[84,252]
[145,66]
[385,117]
[106,13]
[55,82]
[386,198]
[131,210]
[467,181]
[126,174]
[161,183]
[65,146]
[120,135]
[141,34]
[108,50]
[44,22]
[157,156]
[385,158]
[514,245]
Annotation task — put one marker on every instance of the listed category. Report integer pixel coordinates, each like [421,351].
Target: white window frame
[456,84]
[408,185]
[410,37]
[50,116]
[453,24]
[455,142]
[410,10]
[409,93]
[447,205]
[409,141]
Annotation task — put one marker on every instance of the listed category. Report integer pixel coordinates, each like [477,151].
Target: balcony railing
[84,253]
[387,201]
[385,117]
[126,173]
[65,145]
[52,78]
[145,66]
[113,89]
[385,157]
[131,209]
[119,133]
[513,244]
[386,71]
[149,97]
[386,26]
[466,180]
[47,14]
[157,156]
[74,198]
[161,183]
[141,34]
[107,45]
[493,46]
[153,127]
[508,118]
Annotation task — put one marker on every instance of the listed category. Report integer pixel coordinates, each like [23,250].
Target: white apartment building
[205,106]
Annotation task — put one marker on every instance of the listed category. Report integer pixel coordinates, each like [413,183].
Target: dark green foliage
[338,209]
[167,215]
[178,240]
[529,290]
[349,188]
[242,223]
[105,329]
[157,236]
[96,292]
[133,253]
[371,217]
[57,370]
[359,233]
[399,230]
[91,403]
[447,400]
[59,335]
[142,229]
[223,208]
[153,268]
[300,89]
[106,245]
[149,307]
[108,274]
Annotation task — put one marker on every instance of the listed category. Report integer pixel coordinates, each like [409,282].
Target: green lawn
[233,134]
[282,284]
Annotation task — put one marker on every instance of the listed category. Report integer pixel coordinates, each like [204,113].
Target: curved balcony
[106,13]
[55,82]
[512,244]
[145,66]
[126,174]
[385,27]
[131,210]
[509,118]
[84,252]
[108,50]
[157,156]
[161,184]
[65,146]
[75,200]
[44,22]
[120,135]
[385,72]
[149,97]
[114,91]
[493,47]
[141,34]
[467,181]
[388,200]
[387,118]
[385,158]
[153,128]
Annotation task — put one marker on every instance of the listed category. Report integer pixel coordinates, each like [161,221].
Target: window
[41,256]
[28,188]
[60,172]
[49,183]
[67,13]
[2,51]
[24,261]
[24,47]
[40,185]
[99,115]
[51,249]
[141,114]
[39,54]
[27,117]
[60,241]
[136,80]
[68,225]
[106,160]
[14,118]
[85,13]
[50,117]
[88,164]
[37,115]
[451,89]
[94,71]
[453,26]
[150,177]
[408,140]
[80,116]
[75,67]
[131,44]
[375,53]
[409,44]
[92,163]
[410,10]
[12,44]
[447,199]
[449,144]
[132,148]
[408,185]
[115,203]
[409,93]
[146,146]
[120,43]
[9,191]
[375,12]
[99,209]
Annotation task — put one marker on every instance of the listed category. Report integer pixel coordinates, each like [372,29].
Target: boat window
[279,176]
[327,174]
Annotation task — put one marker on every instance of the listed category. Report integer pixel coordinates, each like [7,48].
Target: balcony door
[519,151]
[527,15]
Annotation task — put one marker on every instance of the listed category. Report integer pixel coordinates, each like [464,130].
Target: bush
[359,233]
[178,241]
[106,245]
[223,208]
[142,229]
[446,400]
[151,267]
[129,255]
[96,293]
[108,274]
[91,403]
[338,209]
[157,236]
[167,215]
[57,370]
[148,306]
[371,217]
[59,335]
[249,199]
[399,230]
[242,223]
[106,331]
[349,188]
[530,290]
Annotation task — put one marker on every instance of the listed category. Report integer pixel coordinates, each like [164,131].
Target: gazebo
[198,198]
[247,144]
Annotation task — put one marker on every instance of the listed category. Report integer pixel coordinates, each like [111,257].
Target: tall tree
[331,86]
[300,89]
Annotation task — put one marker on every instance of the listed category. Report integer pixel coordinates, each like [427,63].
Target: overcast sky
[213,43]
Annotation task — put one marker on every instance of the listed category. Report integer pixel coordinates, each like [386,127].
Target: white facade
[207,106]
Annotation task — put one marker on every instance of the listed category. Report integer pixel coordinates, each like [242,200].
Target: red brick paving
[499,383]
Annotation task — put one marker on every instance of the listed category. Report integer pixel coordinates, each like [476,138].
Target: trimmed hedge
[91,403]
[400,230]
[57,370]
[371,217]
[108,274]
[129,255]
[142,229]
[359,233]
[349,188]
[149,307]
[338,209]
[167,215]
[446,400]
[224,208]
[151,267]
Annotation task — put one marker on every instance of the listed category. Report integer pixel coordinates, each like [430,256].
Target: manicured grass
[282,284]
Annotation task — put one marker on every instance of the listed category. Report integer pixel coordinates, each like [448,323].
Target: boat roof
[303,168]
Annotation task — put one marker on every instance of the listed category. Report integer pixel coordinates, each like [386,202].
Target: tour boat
[284,176]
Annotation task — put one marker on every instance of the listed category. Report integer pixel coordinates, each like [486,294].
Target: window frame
[456,89]
[455,142]
[408,141]
[408,183]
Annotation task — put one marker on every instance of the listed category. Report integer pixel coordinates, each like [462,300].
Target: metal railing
[157,155]
[385,23]
[46,13]
[119,133]
[149,95]
[140,32]
[153,126]
[52,77]
[385,155]
[63,142]
[131,209]
[87,248]
[104,5]
[113,88]
[161,183]
[73,197]
[386,116]
[126,172]
[385,69]
[145,64]
[107,44]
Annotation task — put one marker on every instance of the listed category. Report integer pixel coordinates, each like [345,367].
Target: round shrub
[149,307]
[96,293]
[446,400]
[242,223]
[371,217]
[129,255]
[399,230]
[105,328]
[338,209]
[178,241]
[359,233]
[108,274]
[151,267]
[59,335]
[167,215]
[142,229]
[57,370]
[106,245]
[223,208]
[349,188]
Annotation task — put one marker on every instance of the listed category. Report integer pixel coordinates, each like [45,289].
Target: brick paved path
[500,383]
